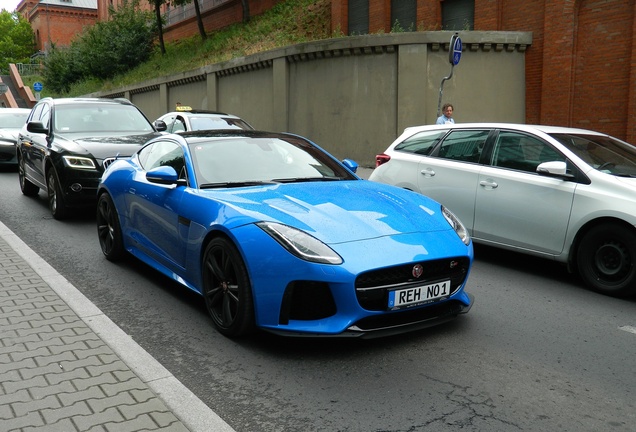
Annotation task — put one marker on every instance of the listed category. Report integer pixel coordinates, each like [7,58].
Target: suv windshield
[96,117]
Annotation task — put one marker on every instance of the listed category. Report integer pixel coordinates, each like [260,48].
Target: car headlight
[79,162]
[459,227]
[301,244]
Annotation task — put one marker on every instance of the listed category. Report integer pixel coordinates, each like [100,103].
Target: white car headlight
[459,227]
[79,162]
[301,244]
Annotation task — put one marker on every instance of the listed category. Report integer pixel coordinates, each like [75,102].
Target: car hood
[103,146]
[336,212]
[9,133]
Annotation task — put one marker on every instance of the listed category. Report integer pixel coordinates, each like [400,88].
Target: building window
[358,17]
[458,14]
[403,15]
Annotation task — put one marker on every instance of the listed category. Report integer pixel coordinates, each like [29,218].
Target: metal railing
[181,13]
[26,69]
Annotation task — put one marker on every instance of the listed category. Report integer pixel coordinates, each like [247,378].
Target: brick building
[57,21]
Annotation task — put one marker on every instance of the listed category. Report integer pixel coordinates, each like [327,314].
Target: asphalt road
[538,352]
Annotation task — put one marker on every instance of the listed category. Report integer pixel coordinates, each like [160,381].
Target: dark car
[67,143]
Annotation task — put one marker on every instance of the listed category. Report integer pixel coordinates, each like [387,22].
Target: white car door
[517,207]
[451,176]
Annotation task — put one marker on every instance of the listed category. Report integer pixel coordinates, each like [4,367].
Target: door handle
[488,184]
[428,172]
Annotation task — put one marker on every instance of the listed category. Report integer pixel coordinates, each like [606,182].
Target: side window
[464,145]
[165,153]
[143,155]
[45,116]
[169,120]
[179,125]
[421,143]
[522,152]
[35,114]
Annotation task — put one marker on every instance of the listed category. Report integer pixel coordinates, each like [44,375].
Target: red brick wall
[59,25]
[217,18]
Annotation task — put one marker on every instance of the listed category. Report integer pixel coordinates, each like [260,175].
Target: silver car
[11,121]
[560,193]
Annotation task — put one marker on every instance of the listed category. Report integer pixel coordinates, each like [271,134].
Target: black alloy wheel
[227,288]
[606,260]
[56,199]
[27,188]
[109,229]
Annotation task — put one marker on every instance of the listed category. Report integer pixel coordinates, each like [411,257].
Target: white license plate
[419,295]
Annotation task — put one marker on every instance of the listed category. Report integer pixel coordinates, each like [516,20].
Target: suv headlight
[79,162]
[459,227]
[301,244]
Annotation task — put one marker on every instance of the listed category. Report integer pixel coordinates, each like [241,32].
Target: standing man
[447,115]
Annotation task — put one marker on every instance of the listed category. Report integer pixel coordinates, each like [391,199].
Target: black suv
[66,144]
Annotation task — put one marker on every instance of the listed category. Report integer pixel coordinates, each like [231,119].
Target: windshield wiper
[234,184]
[307,179]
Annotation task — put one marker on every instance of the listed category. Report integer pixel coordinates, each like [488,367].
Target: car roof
[199,112]
[517,126]
[63,101]
[14,110]
[222,133]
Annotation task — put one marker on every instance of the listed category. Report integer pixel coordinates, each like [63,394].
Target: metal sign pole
[454,55]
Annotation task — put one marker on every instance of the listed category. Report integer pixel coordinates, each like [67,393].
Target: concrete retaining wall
[354,95]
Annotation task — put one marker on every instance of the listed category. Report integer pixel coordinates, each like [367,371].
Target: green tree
[17,42]
[102,51]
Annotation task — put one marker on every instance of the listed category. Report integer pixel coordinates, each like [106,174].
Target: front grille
[372,287]
[107,162]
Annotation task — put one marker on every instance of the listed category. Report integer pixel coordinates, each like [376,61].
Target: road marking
[630,329]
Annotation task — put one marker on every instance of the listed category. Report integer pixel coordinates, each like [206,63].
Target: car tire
[27,188]
[109,229]
[56,199]
[227,288]
[606,260]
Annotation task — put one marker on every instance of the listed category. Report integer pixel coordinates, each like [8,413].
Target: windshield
[241,161]
[13,120]
[96,117]
[209,122]
[604,153]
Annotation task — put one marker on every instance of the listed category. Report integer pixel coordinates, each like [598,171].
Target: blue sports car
[277,234]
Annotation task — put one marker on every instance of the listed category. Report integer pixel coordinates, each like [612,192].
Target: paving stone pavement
[64,366]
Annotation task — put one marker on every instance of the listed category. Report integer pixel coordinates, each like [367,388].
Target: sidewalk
[65,366]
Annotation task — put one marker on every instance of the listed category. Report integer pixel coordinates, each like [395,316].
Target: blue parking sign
[455,50]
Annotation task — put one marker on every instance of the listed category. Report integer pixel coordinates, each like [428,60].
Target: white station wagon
[554,192]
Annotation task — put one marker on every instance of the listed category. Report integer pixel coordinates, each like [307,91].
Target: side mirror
[553,168]
[165,175]
[351,164]
[160,125]
[37,127]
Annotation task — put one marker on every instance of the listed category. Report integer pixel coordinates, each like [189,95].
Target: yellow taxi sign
[183,107]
